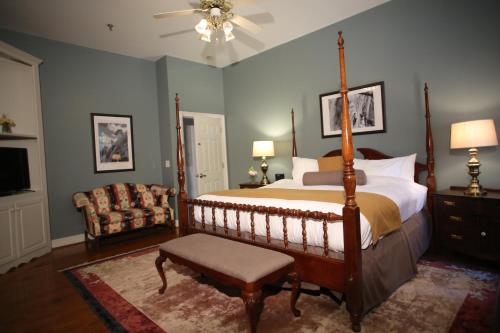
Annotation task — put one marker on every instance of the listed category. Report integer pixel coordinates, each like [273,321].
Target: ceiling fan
[217,17]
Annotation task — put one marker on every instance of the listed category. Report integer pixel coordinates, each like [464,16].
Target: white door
[211,169]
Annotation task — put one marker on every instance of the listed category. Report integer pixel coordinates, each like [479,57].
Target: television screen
[14,170]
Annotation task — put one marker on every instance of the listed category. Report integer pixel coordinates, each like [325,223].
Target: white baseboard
[79,238]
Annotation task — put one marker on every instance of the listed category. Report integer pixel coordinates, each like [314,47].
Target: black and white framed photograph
[366,110]
[113,142]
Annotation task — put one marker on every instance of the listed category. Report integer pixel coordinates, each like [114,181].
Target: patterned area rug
[124,293]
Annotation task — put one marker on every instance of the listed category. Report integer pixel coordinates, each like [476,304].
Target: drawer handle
[456,237]
[449,203]
[455,218]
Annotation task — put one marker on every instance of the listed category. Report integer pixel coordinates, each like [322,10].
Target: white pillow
[401,167]
[301,166]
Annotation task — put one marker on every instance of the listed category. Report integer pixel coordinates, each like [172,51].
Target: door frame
[192,115]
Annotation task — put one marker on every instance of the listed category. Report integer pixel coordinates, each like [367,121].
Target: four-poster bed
[349,272]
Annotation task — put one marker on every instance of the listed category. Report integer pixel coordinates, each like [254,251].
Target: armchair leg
[97,242]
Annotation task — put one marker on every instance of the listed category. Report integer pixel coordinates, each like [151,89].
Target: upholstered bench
[232,263]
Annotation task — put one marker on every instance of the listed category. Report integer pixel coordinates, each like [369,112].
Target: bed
[333,244]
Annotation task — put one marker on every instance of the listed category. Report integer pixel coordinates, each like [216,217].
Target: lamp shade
[263,149]
[473,134]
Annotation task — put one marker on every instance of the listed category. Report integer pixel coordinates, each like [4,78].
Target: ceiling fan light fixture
[228,28]
[202,27]
[215,11]
[229,36]
[206,36]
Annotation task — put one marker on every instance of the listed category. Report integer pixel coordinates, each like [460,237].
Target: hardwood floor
[35,297]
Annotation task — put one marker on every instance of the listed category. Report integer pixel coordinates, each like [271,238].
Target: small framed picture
[366,110]
[113,143]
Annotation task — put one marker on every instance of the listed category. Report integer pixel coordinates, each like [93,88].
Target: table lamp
[263,149]
[473,134]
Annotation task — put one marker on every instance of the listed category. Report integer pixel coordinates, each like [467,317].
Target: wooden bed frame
[313,264]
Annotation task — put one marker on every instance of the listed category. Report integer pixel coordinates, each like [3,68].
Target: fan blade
[250,41]
[177,13]
[246,24]
[261,18]
[171,34]
[244,2]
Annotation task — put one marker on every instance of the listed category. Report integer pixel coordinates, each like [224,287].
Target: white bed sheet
[409,197]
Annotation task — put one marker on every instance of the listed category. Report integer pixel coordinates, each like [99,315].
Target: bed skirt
[393,260]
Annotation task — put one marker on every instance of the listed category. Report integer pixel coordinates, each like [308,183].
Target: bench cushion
[242,261]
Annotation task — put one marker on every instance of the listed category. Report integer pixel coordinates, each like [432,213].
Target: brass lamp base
[474,189]
[264,167]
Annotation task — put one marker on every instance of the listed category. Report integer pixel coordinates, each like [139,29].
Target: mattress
[407,195]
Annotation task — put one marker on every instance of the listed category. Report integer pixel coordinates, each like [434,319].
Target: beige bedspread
[380,211]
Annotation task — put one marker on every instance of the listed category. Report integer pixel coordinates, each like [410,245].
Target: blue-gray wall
[200,89]
[453,45]
[76,81]
[164,109]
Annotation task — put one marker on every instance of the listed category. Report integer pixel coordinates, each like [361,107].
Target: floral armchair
[123,207]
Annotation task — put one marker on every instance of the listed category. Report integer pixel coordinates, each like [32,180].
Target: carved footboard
[314,264]
[267,212]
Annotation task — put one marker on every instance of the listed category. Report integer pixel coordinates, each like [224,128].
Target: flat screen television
[14,170]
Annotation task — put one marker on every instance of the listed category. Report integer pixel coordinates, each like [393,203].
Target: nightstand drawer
[460,241]
[458,206]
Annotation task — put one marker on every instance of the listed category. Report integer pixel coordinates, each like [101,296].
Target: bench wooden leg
[294,277]
[253,306]
[158,263]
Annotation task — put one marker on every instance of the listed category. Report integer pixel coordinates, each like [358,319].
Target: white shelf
[17,136]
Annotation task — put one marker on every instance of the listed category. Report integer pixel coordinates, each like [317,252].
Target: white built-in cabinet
[24,217]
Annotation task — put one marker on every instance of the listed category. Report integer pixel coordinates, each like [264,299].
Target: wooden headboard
[372,154]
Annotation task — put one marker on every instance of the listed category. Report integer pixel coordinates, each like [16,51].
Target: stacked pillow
[323,171]
[400,167]
[329,170]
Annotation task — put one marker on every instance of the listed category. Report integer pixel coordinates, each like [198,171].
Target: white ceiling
[136,33]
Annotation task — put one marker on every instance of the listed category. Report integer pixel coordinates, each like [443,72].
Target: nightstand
[469,225]
[251,185]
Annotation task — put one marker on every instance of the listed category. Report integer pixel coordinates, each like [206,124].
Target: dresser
[470,225]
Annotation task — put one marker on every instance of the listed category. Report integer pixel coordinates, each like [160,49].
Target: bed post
[182,211]
[350,212]
[431,178]
[294,143]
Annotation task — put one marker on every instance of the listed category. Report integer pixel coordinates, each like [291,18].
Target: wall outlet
[167,164]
